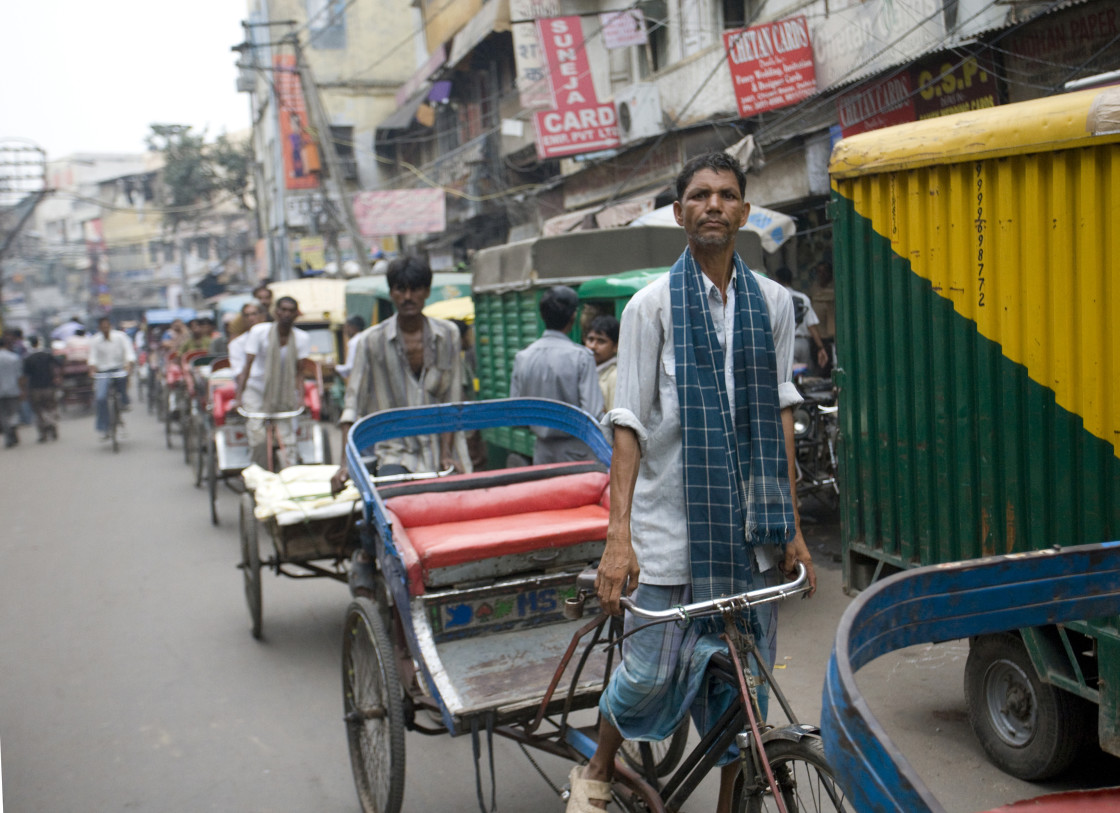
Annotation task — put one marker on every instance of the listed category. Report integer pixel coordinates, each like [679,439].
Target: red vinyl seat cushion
[443,529]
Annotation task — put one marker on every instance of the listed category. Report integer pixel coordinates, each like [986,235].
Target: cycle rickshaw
[224,441]
[468,621]
[946,602]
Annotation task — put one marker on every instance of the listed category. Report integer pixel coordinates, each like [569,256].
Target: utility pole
[333,180]
[24,183]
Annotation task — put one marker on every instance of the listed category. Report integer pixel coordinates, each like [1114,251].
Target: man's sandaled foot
[585,792]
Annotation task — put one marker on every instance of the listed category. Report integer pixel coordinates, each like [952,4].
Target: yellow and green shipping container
[977,268]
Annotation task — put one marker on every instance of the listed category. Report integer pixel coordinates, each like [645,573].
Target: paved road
[129,680]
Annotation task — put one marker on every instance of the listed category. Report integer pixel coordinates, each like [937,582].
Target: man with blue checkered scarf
[702,472]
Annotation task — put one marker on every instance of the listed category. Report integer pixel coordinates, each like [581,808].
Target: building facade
[320,75]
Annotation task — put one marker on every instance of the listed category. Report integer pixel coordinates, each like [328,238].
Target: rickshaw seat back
[450,537]
[311,399]
[221,398]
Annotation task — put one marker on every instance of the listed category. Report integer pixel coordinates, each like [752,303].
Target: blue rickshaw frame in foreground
[944,603]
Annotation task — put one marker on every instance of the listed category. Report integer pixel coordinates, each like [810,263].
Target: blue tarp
[165,316]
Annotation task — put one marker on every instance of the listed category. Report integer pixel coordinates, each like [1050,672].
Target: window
[657,24]
[739,13]
[326,22]
[343,139]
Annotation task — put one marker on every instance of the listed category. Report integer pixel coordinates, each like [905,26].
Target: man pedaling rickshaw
[271,380]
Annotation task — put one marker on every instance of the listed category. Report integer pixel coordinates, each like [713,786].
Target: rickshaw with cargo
[975,289]
[223,444]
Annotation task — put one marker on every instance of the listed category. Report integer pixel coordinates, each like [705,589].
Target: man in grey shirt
[557,368]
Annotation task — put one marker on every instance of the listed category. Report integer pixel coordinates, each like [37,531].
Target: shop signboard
[952,82]
[771,65]
[400,211]
[579,122]
[301,158]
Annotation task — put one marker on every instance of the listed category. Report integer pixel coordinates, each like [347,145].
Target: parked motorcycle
[815,426]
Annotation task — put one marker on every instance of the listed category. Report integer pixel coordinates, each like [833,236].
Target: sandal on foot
[584,791]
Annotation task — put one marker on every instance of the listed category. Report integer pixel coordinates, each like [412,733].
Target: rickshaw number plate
[455,617]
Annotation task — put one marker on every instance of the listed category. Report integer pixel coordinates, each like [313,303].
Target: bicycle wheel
[251,562]
[188,438]
[212,480]
[114,419]
[167,418]
[803,776]
[200,456]
[374,709]
[664,755]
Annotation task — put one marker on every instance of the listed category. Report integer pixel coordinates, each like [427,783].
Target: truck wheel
[1028,728]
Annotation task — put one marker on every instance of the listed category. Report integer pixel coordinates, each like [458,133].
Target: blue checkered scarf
[736,475]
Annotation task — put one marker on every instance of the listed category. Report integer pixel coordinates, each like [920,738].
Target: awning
[617,214]
[403,117]
[493,16]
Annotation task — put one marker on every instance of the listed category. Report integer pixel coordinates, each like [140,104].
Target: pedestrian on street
[701,474]
[555,367]
[10,391]
[351,330]
[263,294]
[602,341]
[42,376]
[806,319]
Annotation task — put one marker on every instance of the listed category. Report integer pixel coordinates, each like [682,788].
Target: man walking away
[42,374]
[10,393]
[555,367]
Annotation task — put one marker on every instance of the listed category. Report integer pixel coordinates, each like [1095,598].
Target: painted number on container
[981,223]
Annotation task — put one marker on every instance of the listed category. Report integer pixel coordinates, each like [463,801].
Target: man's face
[286,313]
[264,296]
[712,209]
[601,345]
[197,328]
[104,325]
[409,301]
[251,314]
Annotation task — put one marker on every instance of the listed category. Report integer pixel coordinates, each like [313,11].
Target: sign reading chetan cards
[771,65]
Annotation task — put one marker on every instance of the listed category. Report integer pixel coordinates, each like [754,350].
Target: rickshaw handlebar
[270,416]
[717,606]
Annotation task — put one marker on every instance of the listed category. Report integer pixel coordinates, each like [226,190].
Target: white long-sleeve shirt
[110,353]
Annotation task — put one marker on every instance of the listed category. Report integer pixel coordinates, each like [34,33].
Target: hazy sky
[80,76]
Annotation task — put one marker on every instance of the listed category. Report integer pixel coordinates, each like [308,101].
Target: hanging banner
[579,123]
[771,65]
[400,211]
[532,73]
[622,29]
[301,158]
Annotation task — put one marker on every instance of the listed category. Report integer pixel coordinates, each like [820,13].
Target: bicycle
[113,403]
[468,617]
[789,758]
